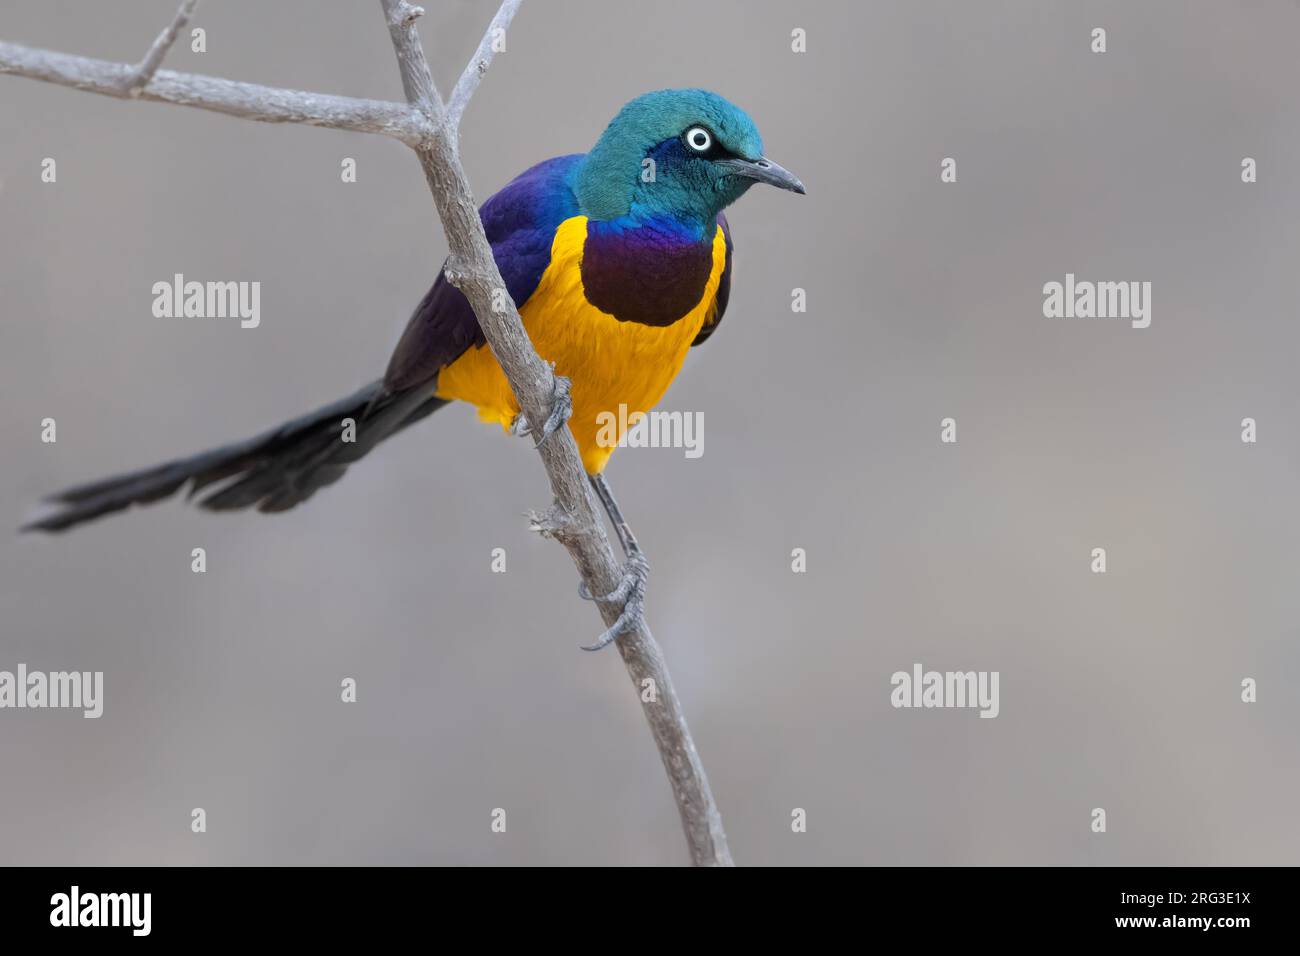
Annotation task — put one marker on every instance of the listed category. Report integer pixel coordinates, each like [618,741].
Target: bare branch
[417,80]
[420,124]
[153,58]
[572,520]
[252,101]
[478,65]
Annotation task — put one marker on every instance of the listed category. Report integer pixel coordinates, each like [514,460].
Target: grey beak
[763,170]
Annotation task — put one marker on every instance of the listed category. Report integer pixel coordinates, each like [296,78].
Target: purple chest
[651,273]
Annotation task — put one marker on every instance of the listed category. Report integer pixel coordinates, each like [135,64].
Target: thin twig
[479,63]
[251,101]
[153,58]
[417,79]
[420,124]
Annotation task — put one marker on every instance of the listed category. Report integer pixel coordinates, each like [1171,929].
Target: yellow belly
[610,363]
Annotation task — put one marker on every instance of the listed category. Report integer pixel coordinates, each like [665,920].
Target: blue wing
[520,222]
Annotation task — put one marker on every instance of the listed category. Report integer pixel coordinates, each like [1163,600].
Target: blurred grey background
[822,432]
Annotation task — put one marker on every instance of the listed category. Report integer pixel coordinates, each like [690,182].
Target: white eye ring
[699,139]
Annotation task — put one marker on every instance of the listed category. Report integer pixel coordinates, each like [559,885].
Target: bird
[619,260]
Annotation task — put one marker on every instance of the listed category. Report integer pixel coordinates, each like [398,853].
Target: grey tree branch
[251,101]
[479,63]
[417,79]
[572,519]
[428,125]
[153,57]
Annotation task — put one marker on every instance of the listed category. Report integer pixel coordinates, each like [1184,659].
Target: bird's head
[682,153]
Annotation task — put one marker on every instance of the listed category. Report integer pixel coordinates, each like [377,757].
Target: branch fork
[144,71]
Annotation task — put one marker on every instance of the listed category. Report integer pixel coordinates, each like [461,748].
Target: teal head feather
[682,154]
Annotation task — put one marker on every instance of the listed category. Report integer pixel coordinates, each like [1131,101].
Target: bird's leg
[636,572]
[561,409]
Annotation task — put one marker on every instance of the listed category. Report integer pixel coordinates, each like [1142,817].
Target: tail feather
[273,471]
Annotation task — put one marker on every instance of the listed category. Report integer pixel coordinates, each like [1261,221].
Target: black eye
[699,139]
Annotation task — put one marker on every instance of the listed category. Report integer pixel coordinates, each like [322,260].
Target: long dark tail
[274,471]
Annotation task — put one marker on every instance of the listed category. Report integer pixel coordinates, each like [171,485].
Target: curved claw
[637,570]
[619,593]
[561,410]
[629,620]
[630,592]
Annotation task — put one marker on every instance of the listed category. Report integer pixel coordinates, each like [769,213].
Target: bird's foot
[630,592]
[561,409]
